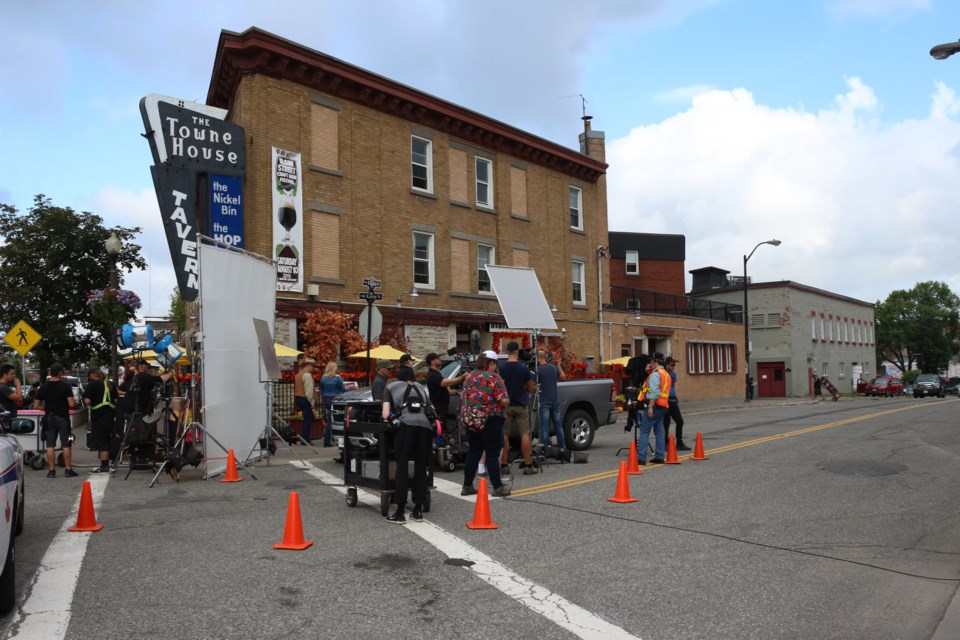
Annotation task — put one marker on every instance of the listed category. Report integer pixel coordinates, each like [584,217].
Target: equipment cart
[374,466]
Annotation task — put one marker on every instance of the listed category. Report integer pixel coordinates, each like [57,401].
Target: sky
[824,124]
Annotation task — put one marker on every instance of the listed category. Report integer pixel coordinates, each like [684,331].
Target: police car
[11,504]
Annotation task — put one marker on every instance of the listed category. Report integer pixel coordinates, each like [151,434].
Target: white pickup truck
[11,503]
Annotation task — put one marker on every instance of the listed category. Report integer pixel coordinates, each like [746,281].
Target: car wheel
[916,395]
[8,581]
[579,430]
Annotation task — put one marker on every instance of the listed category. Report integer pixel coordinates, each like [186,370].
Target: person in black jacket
[56,398]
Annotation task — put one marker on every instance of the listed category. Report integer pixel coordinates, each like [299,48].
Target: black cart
[373,466]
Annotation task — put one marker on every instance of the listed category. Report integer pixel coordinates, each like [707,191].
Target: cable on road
[731,538]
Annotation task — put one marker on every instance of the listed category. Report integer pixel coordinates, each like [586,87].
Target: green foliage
[919,327]
[50,259]
[178,311]
[909,377]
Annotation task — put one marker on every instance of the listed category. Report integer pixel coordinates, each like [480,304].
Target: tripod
[265,437]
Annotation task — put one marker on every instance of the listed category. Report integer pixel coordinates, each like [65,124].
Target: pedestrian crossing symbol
[22,337]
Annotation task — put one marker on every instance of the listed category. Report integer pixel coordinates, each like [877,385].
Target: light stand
[746,319]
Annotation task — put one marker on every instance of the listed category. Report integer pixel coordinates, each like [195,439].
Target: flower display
[113,306]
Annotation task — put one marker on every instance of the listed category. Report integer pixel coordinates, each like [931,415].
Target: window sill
[458,203]
[482,209]
[474,296]
[517,216]
[580,305]
[329,172]
[423,194]
[320,280]
[578,231]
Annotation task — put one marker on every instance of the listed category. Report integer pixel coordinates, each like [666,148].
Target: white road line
[45,614]
[551,606]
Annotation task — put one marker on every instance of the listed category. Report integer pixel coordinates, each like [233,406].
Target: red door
[770,380]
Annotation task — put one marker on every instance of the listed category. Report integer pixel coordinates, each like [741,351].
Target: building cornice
[781,284]
[259,52]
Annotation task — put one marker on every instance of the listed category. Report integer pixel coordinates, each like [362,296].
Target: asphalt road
[810,520]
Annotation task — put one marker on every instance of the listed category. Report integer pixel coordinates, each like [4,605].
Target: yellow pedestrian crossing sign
[22,337]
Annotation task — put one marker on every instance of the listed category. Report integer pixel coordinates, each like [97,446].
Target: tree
[51,258]
[919,327]
[328,334]
[178,311]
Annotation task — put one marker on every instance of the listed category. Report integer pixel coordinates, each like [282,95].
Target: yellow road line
[605,475]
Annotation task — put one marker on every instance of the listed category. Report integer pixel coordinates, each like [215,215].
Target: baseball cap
[512,347]
[431,357]
[384,364]
[405,358]
[671,360]
[490,353]
[56,369]
[658,356]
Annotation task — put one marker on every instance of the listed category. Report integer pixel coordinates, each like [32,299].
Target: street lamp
[746,317]
[113,247]
[944,51]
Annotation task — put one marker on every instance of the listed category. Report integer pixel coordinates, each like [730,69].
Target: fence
[642,301]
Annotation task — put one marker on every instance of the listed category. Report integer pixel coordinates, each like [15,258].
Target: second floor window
[485,256]
[423,260]
[421,163]
[484,183]
[579,294]
[576,208]
[633,263]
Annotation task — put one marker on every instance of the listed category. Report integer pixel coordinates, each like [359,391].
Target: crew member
[547,376]
[11,392]
[441,388]
[520,383]
[414,440]
[656,391]
[378,388]
[304,398]
[144,382]
[99,395]
[673,411]
[405,370]
[56,398]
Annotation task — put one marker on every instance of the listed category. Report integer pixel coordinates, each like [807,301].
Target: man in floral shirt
[482,400]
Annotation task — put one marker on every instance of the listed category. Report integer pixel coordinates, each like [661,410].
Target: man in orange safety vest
[655,393]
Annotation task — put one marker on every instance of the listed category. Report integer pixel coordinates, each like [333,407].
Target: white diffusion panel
[521,298]
[235,287]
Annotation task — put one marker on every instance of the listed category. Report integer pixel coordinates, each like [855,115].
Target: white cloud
[861,209]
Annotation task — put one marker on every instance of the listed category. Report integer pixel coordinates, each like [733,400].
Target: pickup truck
[883,386]
[585,405]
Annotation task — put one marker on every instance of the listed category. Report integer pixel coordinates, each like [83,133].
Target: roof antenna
[586,119]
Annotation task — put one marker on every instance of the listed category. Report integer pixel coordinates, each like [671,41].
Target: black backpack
[411,404]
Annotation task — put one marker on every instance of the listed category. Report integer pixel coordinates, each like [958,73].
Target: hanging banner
[226,209]
[287,219]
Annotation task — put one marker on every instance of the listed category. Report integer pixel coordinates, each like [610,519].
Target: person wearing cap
[405,370]
[409,401]
[655,391]
[378,388]
[440,388]
[56,398]
[673,408]
[303,397]
[100,396]
[143,384]
[520,384]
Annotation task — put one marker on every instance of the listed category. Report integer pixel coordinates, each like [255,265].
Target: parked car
[585,405]
[952,385]
[884,386]
[11,494]
[928,384]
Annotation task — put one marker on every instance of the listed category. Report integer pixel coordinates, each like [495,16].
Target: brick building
[415,191]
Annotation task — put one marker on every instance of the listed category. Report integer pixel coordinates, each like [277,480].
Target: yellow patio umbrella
[622,361]
[383,352]
[283,351]
[150,355]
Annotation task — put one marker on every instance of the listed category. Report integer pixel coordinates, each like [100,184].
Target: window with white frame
[633,263]
[484,182]
[423,260]
[813,327]
[577,277]
[840,371]
[846,331]
[830,330]
[576,208]
[823,329]
[485,255]
[421,163]
[710,358]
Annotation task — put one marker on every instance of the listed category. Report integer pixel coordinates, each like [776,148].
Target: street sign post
[370,328]
[370,296]
[22,337]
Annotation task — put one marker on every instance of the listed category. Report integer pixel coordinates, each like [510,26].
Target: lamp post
[944,51]
[113,246]
[746,318]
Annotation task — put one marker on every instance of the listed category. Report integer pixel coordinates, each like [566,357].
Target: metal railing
[656,303]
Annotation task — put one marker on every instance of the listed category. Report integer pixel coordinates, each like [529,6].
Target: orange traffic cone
[698,453]
[293,531]
[623,486]
[231,469]
[86,518]
[672,452]
[481,512]
[633,464]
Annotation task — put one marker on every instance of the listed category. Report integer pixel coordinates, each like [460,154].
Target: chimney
[592,142]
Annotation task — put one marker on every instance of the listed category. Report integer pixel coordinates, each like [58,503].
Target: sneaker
[69,473]
[100,470]
[51,474]
[529,471]
[657,461]
[417,514]
[681,446]
[482,470]
[468,490]
[504,470]
[642,463]
[397,518]
[502,491]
